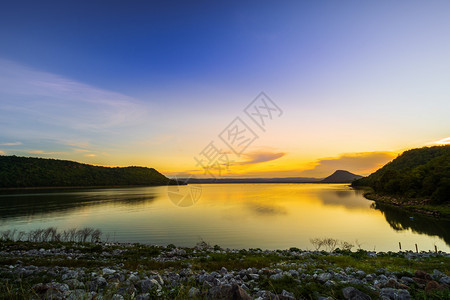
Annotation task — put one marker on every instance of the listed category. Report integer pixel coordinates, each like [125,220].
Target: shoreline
[413,205]
[77,187]
[72,270]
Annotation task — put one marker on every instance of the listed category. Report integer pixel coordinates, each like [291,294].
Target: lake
[266,216]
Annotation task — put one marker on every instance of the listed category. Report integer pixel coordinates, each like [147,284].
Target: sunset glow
[357,84]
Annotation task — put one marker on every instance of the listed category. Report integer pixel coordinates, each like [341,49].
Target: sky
[224,88]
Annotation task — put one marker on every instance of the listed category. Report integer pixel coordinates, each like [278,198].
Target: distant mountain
[341,176]
[417,173]
[250,180]
[18,172]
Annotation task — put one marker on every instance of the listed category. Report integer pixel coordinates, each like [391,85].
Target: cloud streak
[257,157]
[11,144]
[58,101]
[361,163]
[444,141]
[42,152]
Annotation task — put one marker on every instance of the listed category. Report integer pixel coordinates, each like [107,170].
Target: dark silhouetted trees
[416,173]
[38,172]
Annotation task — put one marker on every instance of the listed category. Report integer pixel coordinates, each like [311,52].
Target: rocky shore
[420,206]
[56,270]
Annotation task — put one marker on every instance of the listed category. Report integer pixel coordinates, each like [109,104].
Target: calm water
[267,216]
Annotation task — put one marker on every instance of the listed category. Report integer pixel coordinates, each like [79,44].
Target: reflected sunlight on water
[267,216]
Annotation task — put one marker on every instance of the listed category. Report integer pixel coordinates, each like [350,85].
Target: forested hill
[39,172]
[416,173]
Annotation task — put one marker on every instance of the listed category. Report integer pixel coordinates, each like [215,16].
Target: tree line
[39,172]
[416,173]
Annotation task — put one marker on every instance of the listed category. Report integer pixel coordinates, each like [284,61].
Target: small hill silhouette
[341,176]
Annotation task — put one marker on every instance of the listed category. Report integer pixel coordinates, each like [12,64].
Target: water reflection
[343,198]
[401,220]
[46,202]
[264,209]
[269,216]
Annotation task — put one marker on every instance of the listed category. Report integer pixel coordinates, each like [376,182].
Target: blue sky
[151,82]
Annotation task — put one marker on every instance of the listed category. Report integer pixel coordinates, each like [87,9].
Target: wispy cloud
[2,152]
[444,141]
[41,152]
[256,157]
[90,155]
[362,163]
[59,101]
[11,144]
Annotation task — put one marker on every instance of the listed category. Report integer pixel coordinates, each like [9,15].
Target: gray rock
[133,278]
[445,280]
[394,294]
[180,252]
[383,277]
[101,282]
[128,291]
[354,294]
[330,283]
[228,292]
[77,294]
[266,295]
[437,274]
[254,276]
[277,276]
[324,277]
[407,279]
[69,275]
[117,297]
[173,277]
[206,277]
[194,292]
[94,295]
[388,293]
[145,296]
[74,284]
[355,281]
[360,273]
[403,295]
[219,292]
[370,277]
[150,284]
[340,277]
[53,294]
[285,295]
[108,271]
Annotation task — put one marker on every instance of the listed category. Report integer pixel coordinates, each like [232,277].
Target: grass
[145,258]
[135,255]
